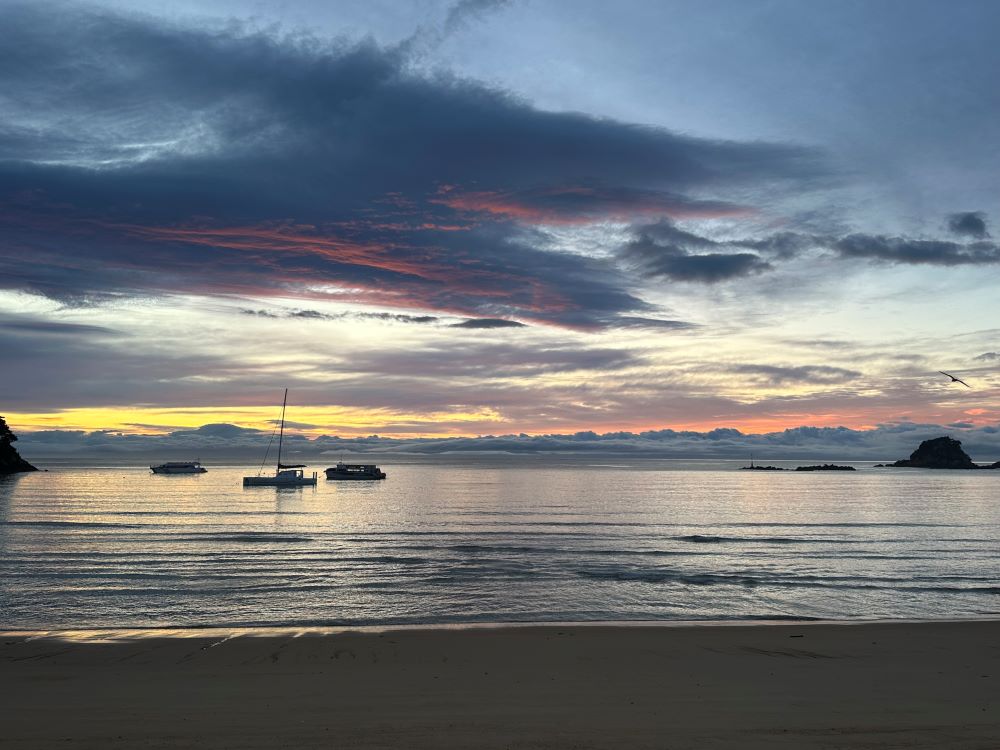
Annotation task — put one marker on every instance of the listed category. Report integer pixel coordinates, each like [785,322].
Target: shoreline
[99,634]
[840,684]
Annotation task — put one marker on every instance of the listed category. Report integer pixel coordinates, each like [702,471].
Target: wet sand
[876,685]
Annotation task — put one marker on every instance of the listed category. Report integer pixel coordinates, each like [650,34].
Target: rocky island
[10,460]
[939,453]
[825,467]
[816,467]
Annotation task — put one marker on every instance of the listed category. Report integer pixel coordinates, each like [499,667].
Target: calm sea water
[119,547]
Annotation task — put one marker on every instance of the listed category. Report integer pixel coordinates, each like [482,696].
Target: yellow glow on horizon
[354,422]
[136,420]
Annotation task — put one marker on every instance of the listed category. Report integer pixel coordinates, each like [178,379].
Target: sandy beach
[872,685]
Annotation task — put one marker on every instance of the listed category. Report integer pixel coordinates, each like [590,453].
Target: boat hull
[161,470]
[277,482]
[353,476]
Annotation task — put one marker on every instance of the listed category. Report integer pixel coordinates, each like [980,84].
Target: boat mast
[281,434]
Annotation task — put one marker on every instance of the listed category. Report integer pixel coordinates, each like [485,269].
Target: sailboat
[285,475]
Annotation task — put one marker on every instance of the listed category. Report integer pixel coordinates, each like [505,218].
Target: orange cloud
[422,264]
[582,204]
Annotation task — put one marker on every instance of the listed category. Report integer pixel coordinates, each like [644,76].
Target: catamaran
[285,475]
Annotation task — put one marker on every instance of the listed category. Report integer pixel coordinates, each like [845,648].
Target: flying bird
[955,380]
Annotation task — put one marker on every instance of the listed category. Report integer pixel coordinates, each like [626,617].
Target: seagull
[955,380]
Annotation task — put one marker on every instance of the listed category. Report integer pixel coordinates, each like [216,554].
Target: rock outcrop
[10,460]
[939,453]
[825,467]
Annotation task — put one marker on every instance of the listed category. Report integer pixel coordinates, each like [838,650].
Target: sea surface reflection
[119,547]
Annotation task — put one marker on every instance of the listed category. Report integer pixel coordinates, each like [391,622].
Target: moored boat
[179,467]
[354,471]
[285,475]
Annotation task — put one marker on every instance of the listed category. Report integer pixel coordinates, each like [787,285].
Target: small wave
[495,548]
[804,581]
[838,525]
[710,539]
[383,560]
[243,536]
[633,552]
[74,524]
[168,514]
[703,539]
[662,576]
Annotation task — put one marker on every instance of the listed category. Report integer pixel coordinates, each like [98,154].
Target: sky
[492,217]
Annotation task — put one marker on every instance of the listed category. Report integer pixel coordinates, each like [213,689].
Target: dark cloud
[628,321]
[398,317]
[465,11]
[139,156]
[987,357]
[581,204]
[708,268]
[809,374]
[488,323]
[221,430]
[969,224]
[354,315]
[51,327]
[916,252]
[667,233]
[663,250]
[783,245]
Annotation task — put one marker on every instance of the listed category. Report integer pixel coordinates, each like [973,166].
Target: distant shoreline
[293,630]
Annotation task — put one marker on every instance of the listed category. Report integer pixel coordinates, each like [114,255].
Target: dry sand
[891,685]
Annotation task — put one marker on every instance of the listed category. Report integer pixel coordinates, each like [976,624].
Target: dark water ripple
[119,547]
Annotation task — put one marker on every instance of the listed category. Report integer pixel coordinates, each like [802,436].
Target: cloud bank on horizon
[883,443]
[195,214]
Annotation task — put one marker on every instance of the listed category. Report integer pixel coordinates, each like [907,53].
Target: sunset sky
[486,217]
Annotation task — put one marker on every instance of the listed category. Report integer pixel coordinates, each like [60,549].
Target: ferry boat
[354,471]
[285,475]
[179,467]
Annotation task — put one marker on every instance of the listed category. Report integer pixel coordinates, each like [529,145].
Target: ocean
[496,540]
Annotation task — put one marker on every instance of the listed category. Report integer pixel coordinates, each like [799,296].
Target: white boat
[179,467]
[285,475]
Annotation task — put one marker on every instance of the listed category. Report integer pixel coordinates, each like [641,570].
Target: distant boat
[285,475]
[354,471]
[179,467]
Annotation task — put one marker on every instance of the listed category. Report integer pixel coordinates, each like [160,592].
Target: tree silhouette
[10,461]
[6,436]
